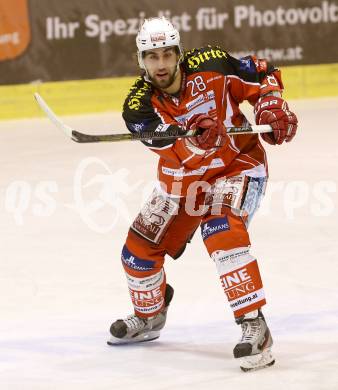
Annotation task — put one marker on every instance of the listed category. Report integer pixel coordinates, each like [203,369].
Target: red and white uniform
[226,183]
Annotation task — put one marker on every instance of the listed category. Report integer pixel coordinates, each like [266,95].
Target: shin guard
[240,278]
[146,283]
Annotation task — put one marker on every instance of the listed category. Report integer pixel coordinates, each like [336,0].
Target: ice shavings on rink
[61,281]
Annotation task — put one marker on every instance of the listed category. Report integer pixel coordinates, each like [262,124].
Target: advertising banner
[14,29]
[84,39]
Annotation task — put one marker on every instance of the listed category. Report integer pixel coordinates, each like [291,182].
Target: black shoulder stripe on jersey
[207,58]
[139,114]
[215,59]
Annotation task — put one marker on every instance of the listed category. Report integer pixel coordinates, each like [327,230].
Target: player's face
[161,66]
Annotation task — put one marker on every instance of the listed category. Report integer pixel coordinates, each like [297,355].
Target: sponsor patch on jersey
[134,262]
[247,65]
[208,106]
[155,217]
[200,99]
[215,163]
[213,79]
[214,226]
[210,95]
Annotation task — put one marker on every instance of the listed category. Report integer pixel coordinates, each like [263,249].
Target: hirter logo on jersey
[136,94]
[195,58]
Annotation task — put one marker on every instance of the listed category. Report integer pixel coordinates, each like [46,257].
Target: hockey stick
[146,135]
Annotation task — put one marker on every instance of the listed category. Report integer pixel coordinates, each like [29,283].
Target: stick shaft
[80,137]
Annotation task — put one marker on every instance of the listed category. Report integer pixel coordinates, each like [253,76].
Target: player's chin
[165,83]
[162,82]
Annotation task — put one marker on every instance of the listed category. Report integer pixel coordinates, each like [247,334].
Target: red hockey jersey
[213,83]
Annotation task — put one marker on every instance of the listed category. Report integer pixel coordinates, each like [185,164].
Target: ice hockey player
[212,180]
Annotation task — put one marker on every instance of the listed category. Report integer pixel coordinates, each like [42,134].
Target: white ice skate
[254,348]
[134,329]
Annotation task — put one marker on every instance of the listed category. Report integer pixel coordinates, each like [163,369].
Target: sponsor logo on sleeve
[137,127]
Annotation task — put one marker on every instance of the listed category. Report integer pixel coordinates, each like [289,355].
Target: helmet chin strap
[146,76]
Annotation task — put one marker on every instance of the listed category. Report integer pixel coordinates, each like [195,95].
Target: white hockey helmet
[155,33]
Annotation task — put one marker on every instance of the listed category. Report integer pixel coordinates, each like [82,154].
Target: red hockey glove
[210,133]
[274,111]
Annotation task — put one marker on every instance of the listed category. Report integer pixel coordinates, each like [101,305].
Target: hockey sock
[240,278]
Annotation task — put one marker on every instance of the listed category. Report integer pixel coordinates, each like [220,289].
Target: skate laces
[251,330]
[134,322]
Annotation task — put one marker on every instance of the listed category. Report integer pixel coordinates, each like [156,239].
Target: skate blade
[150,336]
[257,362]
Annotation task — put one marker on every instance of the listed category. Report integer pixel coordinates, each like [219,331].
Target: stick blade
[52,116]
[82,138]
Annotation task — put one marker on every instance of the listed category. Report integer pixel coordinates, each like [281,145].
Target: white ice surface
[61,282]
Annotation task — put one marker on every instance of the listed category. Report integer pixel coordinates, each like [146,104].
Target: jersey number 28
[197,85]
